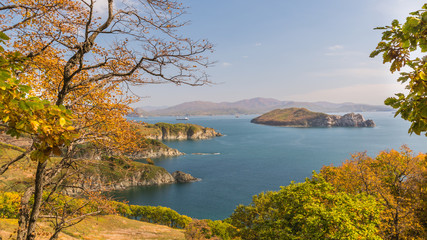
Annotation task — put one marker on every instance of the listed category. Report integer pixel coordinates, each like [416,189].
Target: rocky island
[179,131]
[301,117]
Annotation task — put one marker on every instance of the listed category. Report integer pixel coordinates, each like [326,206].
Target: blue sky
[289,50]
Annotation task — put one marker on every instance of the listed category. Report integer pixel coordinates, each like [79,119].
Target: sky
[293,50]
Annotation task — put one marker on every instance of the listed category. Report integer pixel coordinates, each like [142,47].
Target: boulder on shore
[182,177]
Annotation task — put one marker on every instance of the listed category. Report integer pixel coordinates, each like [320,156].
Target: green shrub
[309,210]
[10,202]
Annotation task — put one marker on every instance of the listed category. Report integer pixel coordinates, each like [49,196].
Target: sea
[251,158]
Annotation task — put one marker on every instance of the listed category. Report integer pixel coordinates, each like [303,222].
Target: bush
[10,202]
[309,210]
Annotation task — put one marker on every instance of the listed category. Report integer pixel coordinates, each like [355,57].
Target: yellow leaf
[35,125]
[70,128]
[423,76]
[62,122]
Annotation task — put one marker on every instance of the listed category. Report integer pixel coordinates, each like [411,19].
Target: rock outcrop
[182,177]
[156,153]
[119,174]
[180,131]
[301,117]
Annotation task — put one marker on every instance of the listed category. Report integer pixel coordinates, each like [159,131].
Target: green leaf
[423,112]
[412,22]
[395,23]
[3,36]
[390,101]
[406,44]
[25,88]
[23,105]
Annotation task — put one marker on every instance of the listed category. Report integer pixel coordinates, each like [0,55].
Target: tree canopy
[403,45]
[397,180]
[86,57]
[309,210]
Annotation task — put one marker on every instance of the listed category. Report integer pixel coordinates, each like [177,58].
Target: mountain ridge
[259,106]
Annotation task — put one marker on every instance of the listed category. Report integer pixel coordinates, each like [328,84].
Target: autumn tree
[397,179]
[308,210]
[86,56]
[401,46]
[47,124]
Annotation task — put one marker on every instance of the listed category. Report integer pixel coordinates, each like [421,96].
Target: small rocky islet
[302,117]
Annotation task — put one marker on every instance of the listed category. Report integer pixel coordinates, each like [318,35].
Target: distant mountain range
[257,106]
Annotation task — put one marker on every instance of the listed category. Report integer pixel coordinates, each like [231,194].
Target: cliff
[154,149]
[301,117]
[149,148]
[118,173]
[180,131]
[103,174]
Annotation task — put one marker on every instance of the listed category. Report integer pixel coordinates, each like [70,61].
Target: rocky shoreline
[105,170]
[143,176]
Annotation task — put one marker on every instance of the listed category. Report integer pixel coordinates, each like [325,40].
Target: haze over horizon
[149,107]
[288,50]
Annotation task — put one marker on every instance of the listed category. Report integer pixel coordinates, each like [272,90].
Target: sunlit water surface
[255,158]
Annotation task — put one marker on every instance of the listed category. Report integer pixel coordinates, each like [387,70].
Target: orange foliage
[86,58]
[398,179]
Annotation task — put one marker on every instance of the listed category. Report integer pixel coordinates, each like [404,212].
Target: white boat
[182,118]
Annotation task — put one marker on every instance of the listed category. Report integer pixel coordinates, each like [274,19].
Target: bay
[253,158]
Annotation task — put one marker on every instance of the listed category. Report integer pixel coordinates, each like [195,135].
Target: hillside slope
[102,227]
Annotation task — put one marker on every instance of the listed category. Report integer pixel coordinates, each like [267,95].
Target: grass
[19,176]
[100,227]
[289,116]
[115,169]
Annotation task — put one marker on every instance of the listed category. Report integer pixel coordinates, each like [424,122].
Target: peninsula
[301,117]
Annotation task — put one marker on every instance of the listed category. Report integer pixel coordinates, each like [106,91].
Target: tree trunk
[38,197]
[24,214]
[56,234]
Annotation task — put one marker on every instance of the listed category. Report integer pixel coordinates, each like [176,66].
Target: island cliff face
[180,131]
[301,117]
[118,173]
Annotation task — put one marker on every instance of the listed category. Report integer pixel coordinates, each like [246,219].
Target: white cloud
[340,50]
[346,72]
[362,93]
[245,56]
[336,47]
[258,44]
[226,64]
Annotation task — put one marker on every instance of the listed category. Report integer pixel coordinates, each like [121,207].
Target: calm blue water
[255,158]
